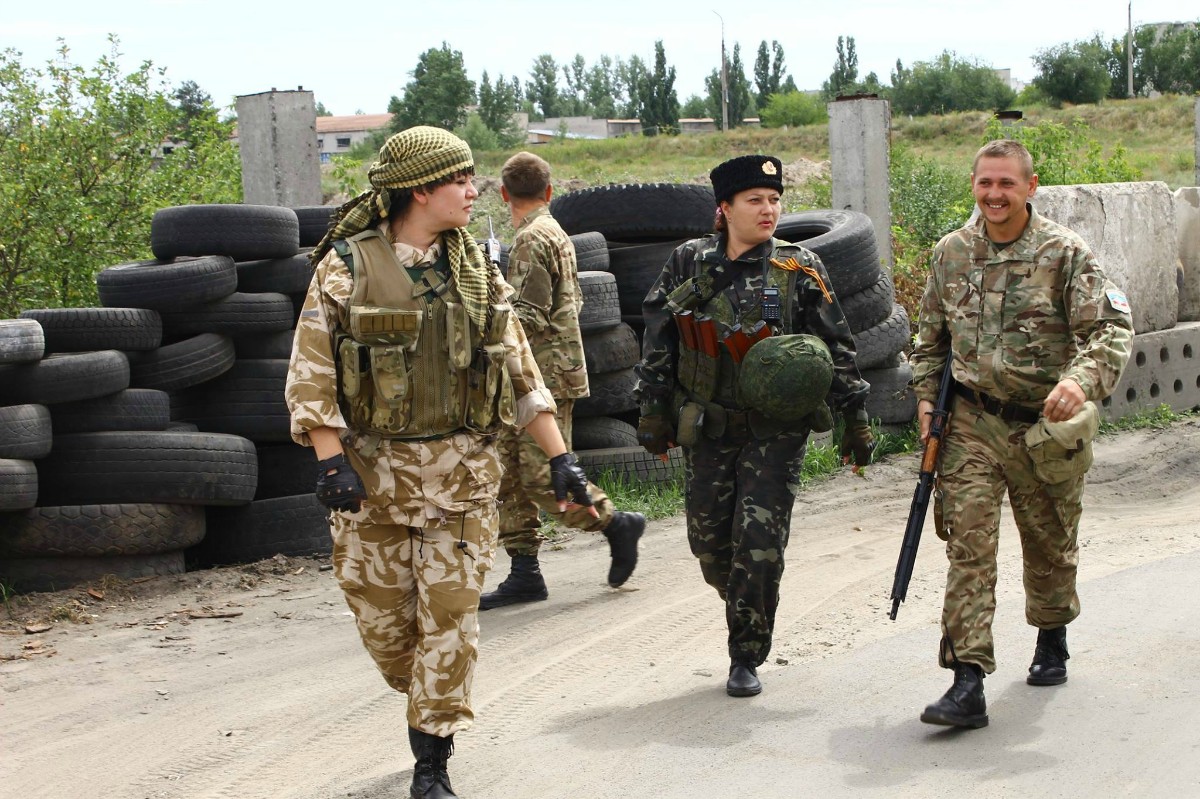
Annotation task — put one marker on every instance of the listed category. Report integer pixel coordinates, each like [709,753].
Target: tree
[82,171]
[1171,59]
[659,105]
[741,102]
[947,84]
[322,111]
[195,108]
[845,70]
[542,87]
[628,77]
[438,94]
[601,90]
[768,72]
[497,105]
[1073,73]
[793,109]
[575,74]
[696,107]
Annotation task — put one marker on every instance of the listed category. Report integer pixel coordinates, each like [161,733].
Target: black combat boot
[430,778]
[523,584]
[963,705]
[1049,658]
[623,532]
[743,679]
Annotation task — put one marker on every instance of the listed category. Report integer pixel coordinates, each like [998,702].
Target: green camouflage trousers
[740,494]
[982,457]
[415,596]
[525,490]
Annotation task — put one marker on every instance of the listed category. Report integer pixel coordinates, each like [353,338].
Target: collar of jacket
[1023,249]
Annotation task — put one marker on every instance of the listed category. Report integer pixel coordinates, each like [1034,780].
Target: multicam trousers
[415,596]
[525,490]
[740,493]
[982,456]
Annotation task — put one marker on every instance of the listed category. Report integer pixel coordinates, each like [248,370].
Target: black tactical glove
[857,440]
[654,433]
[338,485]
[570,482]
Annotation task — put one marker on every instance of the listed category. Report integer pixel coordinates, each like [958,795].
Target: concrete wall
[277,136]
[1164,368]
[860,132]
[1187,237]
[1131,229]
[583,126]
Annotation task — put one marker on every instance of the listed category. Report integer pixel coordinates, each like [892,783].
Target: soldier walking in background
[407,362]
[547,299]
[744,344]
[1035,334]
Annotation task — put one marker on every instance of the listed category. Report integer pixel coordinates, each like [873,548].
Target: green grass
[1158,418]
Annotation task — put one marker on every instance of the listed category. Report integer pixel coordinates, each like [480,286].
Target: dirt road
[600,693]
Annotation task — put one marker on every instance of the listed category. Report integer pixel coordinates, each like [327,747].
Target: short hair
[1006,148]
[526,176]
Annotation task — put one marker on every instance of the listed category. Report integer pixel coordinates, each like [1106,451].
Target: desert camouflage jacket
[547,299]
[812,311]
[1022,318]
[407,482]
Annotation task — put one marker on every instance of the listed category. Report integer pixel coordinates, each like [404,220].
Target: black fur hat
[746,172]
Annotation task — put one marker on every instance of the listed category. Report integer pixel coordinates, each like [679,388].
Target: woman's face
[752,215]
[449,205]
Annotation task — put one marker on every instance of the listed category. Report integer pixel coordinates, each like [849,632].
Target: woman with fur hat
[716,298]
[407,360]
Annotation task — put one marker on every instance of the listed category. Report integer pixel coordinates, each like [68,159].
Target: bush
[793,109]
[1066,154]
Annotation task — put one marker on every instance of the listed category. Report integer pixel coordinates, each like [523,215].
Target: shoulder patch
[1116,298]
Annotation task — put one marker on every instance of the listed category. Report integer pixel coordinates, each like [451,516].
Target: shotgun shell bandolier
[413,365]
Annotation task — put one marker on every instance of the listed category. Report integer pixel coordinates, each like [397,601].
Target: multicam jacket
[814,310]
[547,299]
[1022,318]
[408,482]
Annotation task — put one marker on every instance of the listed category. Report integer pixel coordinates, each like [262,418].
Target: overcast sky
[354,56]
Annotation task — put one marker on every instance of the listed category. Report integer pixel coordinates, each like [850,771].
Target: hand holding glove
[857,441]
[338,486]
[654,433]
[570,482]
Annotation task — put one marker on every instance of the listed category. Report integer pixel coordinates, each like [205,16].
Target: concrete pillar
[860,131]
[277,135]
[1196,137]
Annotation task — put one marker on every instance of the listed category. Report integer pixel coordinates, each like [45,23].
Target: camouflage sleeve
[660,340]
[532,395]
[1100,319]
[933,339]
[532,272]
[311,388]
[822,316]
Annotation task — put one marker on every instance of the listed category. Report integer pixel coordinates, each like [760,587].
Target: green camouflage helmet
[786,377]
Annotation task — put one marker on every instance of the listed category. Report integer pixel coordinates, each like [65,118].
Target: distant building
[336,135]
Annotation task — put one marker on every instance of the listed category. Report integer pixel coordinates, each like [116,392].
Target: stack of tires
[155,425]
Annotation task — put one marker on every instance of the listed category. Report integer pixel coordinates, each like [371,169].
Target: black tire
[236,315]
[870,306]
[876,345]
[131,409]
[845,241]
[167,286]
[90,329]
[891,400]
[591,252]
[21,341]
[29,575]
[25,432]
[243,232]
[92,531]
[277,275]
[256,346]
[296,525]
[18,484]
[313,221]
[610,350]
[610,394]
[601,308]
[285,470]
[148,466]
[638,212]
[636,321]
[602,432]
[184,364]
[246,401]
[632,464]
[64,378]
[637,267]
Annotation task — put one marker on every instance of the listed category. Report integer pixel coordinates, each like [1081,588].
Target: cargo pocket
[348,560]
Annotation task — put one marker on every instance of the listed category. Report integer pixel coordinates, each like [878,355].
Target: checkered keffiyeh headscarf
[417,157]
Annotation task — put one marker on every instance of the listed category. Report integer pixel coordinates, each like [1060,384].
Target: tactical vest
[413,365]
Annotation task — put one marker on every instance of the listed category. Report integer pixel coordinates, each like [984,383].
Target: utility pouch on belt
[1061,451]
[690,425]
[458,335]
[354,363]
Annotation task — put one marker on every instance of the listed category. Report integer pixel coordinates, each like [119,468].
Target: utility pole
[1129,51]
[724,79]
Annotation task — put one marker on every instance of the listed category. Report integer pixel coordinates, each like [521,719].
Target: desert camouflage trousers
[982,457]
[525,490]
[740,493]
[415,596]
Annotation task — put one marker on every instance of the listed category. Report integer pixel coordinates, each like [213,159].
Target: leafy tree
[497,104]
[845,70]
[741,101]
[82,171]
[629,77]
[659,105]
[793,109]
[1170,62]
[1066,155]
[438,94]
[575,74]
[947,84]
[1073,73]
[601,89]
[322,111]
[697,107]
[768,71]
[195,108]
[477,134]
[542,87]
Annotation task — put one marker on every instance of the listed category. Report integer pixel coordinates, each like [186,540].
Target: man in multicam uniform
[742,467]
[547,299]
[406,363]
[1038,335]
